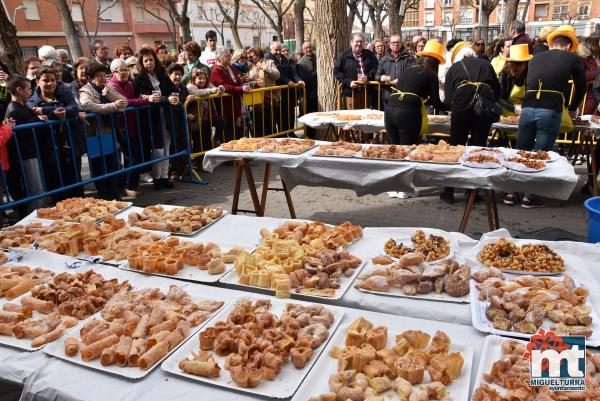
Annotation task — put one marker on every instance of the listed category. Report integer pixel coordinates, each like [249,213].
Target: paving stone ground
[336,205]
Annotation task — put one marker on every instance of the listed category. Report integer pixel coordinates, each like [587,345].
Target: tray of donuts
[137,330]
[258,345]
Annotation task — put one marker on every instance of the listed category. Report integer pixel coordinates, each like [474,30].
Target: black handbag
[485,106]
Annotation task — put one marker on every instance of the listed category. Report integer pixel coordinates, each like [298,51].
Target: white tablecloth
[46,378]
[375,177]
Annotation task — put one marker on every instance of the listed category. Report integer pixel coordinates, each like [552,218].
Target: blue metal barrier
[53,166]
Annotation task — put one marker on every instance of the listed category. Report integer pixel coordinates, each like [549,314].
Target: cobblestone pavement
[336,205]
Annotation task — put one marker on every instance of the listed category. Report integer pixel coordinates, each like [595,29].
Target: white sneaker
[393,194]
[145,177]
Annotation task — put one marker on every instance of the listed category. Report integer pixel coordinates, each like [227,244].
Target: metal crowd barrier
[266,112]
[113,148]
[368,96]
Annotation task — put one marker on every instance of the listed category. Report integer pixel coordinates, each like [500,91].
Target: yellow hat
[457,47]
[564,30]
[519,53]
[434,49]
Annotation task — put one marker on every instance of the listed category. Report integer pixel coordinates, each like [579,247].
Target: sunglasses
[479,44]
[131,65]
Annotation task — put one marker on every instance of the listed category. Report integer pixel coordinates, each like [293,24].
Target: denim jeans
[538,130]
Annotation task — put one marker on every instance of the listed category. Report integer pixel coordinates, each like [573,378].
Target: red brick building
[124,21]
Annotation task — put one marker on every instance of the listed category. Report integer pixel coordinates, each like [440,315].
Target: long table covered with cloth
[48,378]
[369,176]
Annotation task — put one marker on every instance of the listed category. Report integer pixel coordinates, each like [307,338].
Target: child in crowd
[178,165]
[22,147]
[199,85]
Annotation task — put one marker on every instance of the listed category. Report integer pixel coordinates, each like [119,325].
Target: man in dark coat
[353,68]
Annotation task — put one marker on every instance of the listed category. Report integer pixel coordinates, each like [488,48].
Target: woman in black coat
[154,82]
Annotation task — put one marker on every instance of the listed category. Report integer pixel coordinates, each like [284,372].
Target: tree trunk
[510,14]
[186,31]
[10,51]
[394,19]
[484,25]
[299,22]
[350,19]
[525,8]
[236,36]
[69,27]
[333,31]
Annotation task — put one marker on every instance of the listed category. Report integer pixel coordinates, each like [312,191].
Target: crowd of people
[543,81]
[523,77]
[118,92]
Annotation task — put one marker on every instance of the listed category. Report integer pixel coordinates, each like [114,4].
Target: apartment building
[123,21]
[460,18]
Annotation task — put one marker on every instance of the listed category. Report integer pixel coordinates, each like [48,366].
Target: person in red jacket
[130,143]
[223,73]
[6,132]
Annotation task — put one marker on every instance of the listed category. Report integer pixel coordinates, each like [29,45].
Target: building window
[228,44]
[584,10]
[76,12]
[560,11]
[411,19]
[429,3]
[447,3]
[429,19]
[256,40]
[447,18]
[111,11]
[32,12]
[520,12]
[154,14]
[466,16]
[541,10]
[139,13]
[29,51]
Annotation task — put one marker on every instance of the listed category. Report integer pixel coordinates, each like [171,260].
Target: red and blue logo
[557,362]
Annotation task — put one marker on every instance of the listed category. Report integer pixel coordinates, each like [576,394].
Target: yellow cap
[564,30]
[434,49]
[519,53]
[457,47]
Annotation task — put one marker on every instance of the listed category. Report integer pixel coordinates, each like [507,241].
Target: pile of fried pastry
[173,254]
[368,368]
[523,304]
[57,305]
[414,277]
[81,209]
[180,220]
[506,255]
[257,344]
[139,328]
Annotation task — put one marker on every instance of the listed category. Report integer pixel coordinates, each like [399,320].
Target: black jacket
[420,81]
[345,69]
[542,47]
[143,86]
[307,70]
[392,67]
[23,115]
[506,86]
[461,98]
[287,72]
[554,69]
